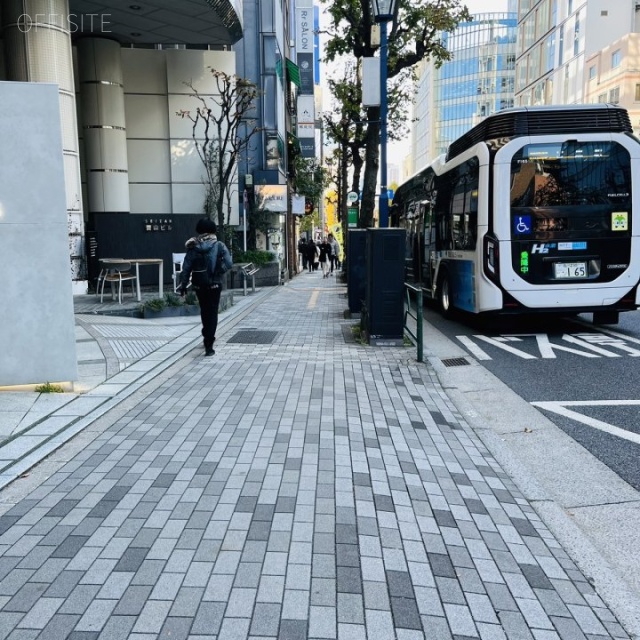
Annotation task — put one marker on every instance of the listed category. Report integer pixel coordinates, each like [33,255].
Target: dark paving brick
[132,559]
[476,506]
[399,583]
[405,613]
[133,601]
[164,480]
[60,510]
[70,547]
[535,576]
[346,534]
[524,527]
[349,580]
[246,504]
[293,630]
[441,565]
[383,503]
[347,555]
[444,518]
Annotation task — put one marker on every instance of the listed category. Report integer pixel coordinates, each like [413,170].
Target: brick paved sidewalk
[296,485]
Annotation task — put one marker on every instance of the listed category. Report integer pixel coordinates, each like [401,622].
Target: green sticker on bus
[524,262]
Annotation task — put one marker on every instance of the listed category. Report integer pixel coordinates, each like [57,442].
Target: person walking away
[325,252]
[206,261]
[311,254]
[335,252]
[302,251]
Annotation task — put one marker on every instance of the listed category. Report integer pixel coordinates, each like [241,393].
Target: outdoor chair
[177,259]
[118,272]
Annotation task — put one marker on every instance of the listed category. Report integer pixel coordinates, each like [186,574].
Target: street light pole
[383,206]
[383,11]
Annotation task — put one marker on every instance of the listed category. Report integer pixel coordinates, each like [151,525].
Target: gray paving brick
[293,630]
[322,622]
[265,620]
[186,603]
[59,626]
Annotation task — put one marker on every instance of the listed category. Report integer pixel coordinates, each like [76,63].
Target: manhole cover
[455,362]
[249,336]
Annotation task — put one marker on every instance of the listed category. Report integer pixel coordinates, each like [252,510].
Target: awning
[293,72]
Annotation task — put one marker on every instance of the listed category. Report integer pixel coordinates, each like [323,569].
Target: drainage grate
[251,336]
[455,362]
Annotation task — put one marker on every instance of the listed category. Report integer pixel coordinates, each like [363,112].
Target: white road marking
[506,347]
[587,345]
[473,348]
[592,343]
[561,409]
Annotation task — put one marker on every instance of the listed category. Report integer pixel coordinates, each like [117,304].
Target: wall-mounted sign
[271,197]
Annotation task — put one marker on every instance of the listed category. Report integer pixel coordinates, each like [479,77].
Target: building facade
[134,180]
[476,82]
[555,37]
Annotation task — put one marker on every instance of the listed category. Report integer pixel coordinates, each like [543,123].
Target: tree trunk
[370,168]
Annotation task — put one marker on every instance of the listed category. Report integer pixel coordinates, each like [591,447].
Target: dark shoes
[209,352]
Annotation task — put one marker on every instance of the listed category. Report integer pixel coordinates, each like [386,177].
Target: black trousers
[209,300]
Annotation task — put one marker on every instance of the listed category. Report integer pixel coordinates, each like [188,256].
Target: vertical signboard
[304,60]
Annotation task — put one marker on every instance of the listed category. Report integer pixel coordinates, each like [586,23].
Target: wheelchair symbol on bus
[522,224]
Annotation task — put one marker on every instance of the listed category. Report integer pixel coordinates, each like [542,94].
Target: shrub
[173,300]
[155,304]
[191,298]
[256,256]
[49,388]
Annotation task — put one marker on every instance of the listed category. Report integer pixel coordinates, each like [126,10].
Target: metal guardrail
[417,316]
[248,270]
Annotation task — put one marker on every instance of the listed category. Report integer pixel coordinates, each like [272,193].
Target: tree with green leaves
[222,127]
[413,35]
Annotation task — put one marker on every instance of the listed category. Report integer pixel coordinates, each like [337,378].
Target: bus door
[428,245]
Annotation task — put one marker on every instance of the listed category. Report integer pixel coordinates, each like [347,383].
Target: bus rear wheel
[445,296]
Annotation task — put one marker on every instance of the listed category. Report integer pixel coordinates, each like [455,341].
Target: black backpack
[201,275]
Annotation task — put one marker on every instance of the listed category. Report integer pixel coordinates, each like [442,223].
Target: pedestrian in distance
[302,251]
[205,263]
[312,254]
[334,257]
[325,252]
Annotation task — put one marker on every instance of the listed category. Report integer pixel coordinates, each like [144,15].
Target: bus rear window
[571,173]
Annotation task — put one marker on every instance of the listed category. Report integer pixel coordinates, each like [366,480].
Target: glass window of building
[592,72]
[550,53]
[561,45]
[576,36]
[529,31]
[511,62]
[616,58]
[542,19]
[637,98]
[269,46]
[602,97]
[614,95]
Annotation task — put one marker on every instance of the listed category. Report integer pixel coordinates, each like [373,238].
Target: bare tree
[216,125]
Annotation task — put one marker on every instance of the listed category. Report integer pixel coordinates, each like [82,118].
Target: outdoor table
[148,261]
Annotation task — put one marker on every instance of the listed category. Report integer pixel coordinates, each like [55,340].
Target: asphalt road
[559,361]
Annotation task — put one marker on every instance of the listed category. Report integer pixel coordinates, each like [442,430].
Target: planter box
[172,312]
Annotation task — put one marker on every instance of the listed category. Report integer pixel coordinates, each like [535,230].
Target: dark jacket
[325,251]
[216,253]
[312,256]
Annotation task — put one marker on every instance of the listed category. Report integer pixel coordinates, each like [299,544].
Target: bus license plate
[569,270]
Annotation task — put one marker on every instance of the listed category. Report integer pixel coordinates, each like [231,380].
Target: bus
[535,209]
